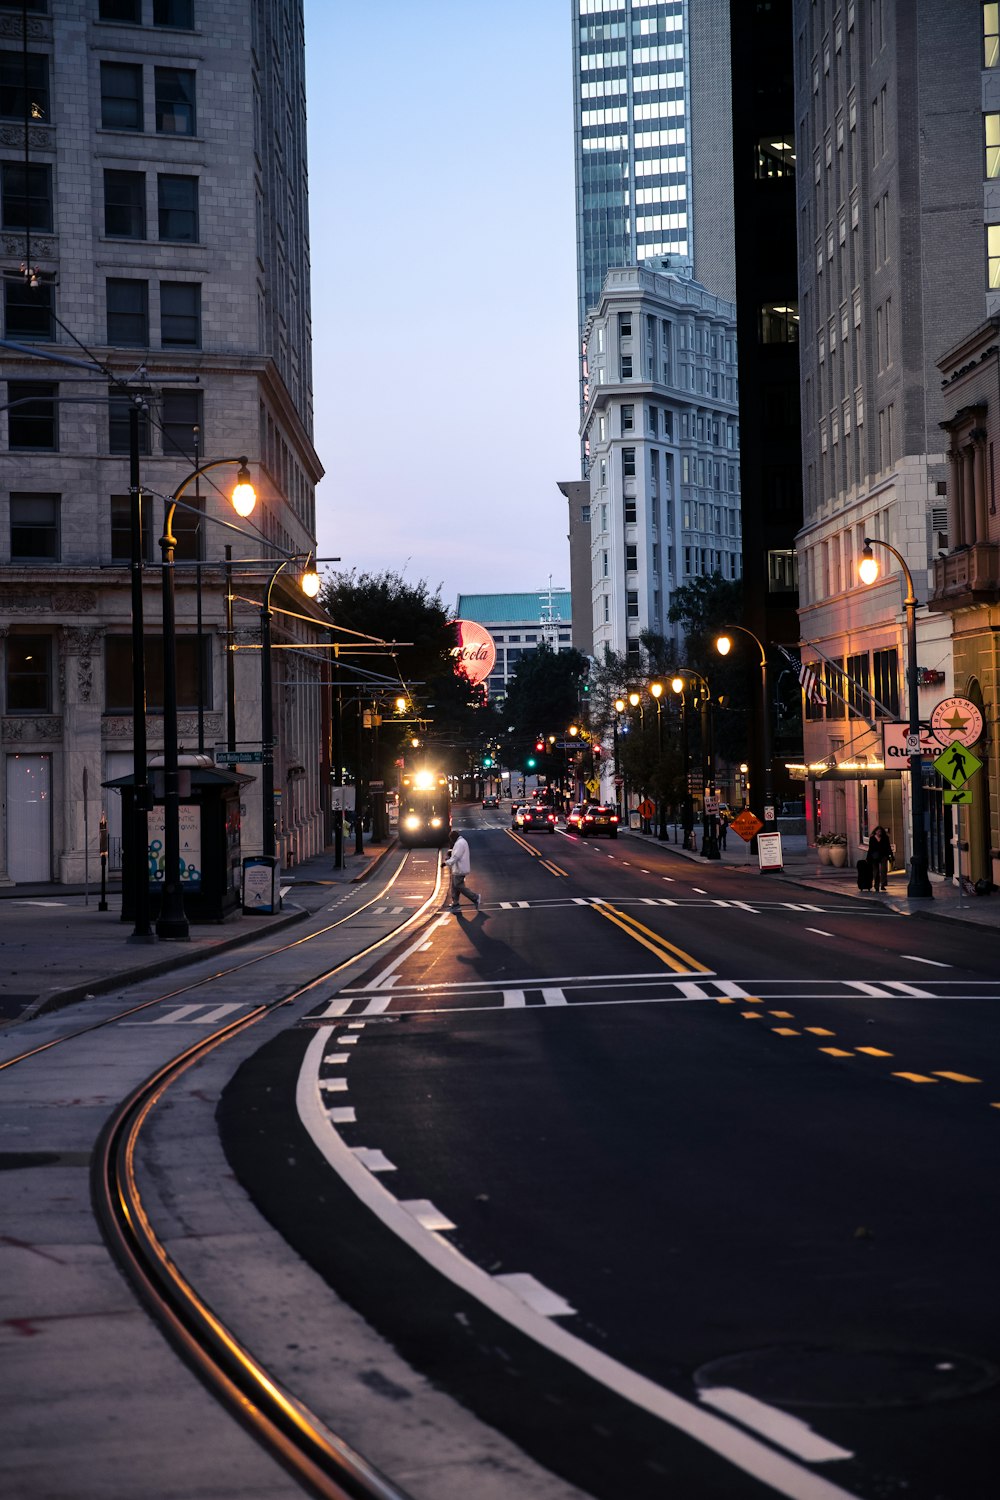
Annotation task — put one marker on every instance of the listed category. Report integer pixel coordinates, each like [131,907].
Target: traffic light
[540,746]
[530,763]
[487,762]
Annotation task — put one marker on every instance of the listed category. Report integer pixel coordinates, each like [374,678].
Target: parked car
[536,818]
[599,820]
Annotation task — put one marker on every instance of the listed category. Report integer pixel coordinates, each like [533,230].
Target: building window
[121,528]
[125,205]
[991,132]
[28,311]
[859,684]
[176,13]
[778,323]
[993,256]
[119,407]
[628,463]
[628,418]
[782,571]
[631,557]
[626,367]
[885,673]
[121,10]
[34,528]
[177,199]
[15,70]
[585,514]
[118,673]
[630,513]
[29,674]
[26,196]
[991,36]
[180,415]
[775,159]
[121,96]
[174,97]
[632,605]
[180,314]
[128,313]
[31,416]
[624,325]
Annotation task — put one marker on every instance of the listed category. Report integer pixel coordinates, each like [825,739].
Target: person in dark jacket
[879,855]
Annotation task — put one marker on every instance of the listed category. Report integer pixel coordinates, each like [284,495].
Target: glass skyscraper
[632,131]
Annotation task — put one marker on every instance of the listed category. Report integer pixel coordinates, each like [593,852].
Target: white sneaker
[479,902]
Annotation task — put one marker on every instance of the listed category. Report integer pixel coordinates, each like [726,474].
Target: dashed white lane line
[783,1475]
[789,1432]
[820,931]
[916,959]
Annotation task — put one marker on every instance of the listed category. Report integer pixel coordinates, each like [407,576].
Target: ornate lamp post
[709,822]
[619,710]
[724,645]
[656,693]
[679,686]
[868,570]
[172,921]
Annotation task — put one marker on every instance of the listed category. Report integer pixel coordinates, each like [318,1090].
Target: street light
[868,570]
[709,822]
[619,709]
[679,686]
[724,645]
[656,693]
[172,921]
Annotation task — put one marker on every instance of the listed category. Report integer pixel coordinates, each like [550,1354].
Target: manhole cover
[808,1375]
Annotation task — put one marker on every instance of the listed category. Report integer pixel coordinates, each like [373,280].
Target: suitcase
[865,874]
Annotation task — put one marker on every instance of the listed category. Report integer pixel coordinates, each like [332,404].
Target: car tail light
[587,818]
[614,817]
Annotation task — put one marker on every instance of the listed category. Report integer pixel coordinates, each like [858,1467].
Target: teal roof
[515,609]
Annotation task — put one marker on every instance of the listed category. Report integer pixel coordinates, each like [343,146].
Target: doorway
[29,818]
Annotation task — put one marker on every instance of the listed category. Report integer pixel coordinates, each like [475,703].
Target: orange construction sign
[646,808]
[746,824]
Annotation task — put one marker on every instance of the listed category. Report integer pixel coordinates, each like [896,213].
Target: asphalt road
[742,1145]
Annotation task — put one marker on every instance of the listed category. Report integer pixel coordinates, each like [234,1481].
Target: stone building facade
[662,439]
[154,246]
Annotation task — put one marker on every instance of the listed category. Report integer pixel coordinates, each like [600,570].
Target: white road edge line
[779,1426]
[916,959]
[783,1475]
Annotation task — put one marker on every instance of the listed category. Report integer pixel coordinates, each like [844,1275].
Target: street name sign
[239,757]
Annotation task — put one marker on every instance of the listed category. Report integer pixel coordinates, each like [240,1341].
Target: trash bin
[261,891]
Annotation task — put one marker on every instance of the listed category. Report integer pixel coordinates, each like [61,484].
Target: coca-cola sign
[474,651]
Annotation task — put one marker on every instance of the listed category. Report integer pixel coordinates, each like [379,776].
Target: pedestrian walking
[459,864]
[880,852]
[723,829]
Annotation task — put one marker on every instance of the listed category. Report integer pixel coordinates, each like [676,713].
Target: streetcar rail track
[321,1461]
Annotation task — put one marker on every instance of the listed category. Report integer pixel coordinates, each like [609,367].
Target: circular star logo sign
[957,719]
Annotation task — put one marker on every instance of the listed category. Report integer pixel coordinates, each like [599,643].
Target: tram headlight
[411,823]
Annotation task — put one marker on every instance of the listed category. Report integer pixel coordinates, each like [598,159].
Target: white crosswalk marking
[188,1014]
[665,901]
[745,906]
[877,991]
[513,998]
[910,989]
[553,997]
[690,990]
[731,988]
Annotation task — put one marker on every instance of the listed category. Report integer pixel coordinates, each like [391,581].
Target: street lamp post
[919,881]
[656,691]
[172,921]
[709,821]
[724,645]
[141,932]
[310,584]
[679,686]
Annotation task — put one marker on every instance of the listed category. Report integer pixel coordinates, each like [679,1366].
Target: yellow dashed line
[554,869]
[958,1077]
[836,1052]
[724,1000]
[751,1015]
[915,1077]
[785,1031]
[874,1051]
[753,1000]
[820,1031]
[782,1015]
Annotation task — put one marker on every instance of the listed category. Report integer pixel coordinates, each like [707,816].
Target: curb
[179,958]
[373,864]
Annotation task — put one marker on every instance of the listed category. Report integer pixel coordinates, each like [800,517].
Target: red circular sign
[475,652]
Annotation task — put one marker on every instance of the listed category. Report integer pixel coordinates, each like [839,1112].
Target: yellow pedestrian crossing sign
[959,796]
[957,764]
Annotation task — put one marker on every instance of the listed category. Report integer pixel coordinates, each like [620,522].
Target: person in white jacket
[459,865]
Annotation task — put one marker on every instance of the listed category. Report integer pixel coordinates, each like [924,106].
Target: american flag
[811,686]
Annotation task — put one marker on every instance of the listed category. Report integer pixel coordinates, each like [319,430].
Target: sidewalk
[801,866]
[57,948]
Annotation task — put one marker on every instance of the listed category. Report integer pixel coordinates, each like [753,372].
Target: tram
[424,808]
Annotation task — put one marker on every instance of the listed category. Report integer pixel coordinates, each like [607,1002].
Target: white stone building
[661,434]
[154,182]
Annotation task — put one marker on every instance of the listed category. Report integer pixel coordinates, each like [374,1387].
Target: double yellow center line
[546,863]
[668,953]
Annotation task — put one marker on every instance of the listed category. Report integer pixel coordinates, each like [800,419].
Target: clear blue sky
[443,287]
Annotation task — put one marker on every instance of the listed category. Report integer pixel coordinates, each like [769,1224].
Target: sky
[443,288]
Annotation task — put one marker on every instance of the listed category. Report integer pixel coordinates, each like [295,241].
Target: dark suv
[598,820]
[538,818]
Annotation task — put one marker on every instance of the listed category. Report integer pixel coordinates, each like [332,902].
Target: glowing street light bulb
[619,705]
[723,645]
[633,699]
[656,688]
[677,683]
[868,566]
[310,583]
[244,496]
